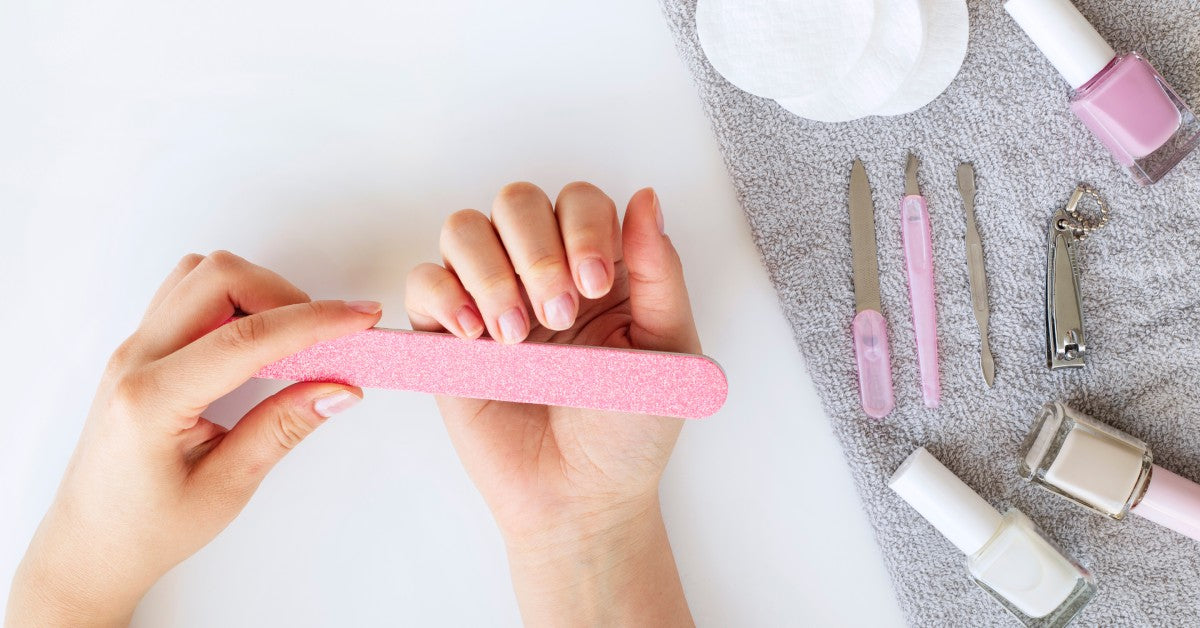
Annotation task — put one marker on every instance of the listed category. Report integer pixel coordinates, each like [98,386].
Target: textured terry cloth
[1006,113]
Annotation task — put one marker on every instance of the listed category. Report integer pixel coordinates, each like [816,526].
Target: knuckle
[223,259]
[461,223]
[517,196]
[130,389]
[288,429]
[579,187]
[546,264]
[244,332]
[190,261]
[124,356]
[443,286]
[498,282]
[591,235]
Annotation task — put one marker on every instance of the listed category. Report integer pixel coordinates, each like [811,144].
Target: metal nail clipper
[1066,343]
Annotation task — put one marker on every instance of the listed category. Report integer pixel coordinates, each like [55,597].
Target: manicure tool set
[851,62]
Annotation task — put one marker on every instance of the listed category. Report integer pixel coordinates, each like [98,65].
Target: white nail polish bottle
[1007,554]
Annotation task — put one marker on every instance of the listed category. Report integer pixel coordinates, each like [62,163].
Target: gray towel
[1006,113]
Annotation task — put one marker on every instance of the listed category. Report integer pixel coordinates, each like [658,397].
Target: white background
[328,141]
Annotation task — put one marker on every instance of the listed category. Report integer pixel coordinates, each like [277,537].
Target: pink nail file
[918,260]
[620,380]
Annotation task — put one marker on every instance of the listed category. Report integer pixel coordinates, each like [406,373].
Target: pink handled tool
[620,380]
[874,363]
[1172,501]
[918,260]
[869,328]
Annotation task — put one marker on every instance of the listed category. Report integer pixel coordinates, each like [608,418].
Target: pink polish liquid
[1122,99]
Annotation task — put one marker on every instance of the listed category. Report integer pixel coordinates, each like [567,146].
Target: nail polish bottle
[1121,98]
[1008,556]
[1106,470]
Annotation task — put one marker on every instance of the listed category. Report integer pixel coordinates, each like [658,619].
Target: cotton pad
[946,34]
[781,48]
[890,56]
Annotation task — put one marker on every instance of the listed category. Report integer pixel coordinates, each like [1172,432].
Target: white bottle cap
[951,506]
[1064,36]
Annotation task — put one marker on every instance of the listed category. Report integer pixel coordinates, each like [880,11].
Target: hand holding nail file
[869,327]
[621,380]
[918,261]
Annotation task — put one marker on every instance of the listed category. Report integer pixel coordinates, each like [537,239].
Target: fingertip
[370,308]
[337,401]
[644,213]
[469,323]
[594,277]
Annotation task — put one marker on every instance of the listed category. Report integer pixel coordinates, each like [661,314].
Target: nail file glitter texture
[621,380]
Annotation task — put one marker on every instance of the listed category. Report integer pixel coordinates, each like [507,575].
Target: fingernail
[330,405]
[513,327]
[594,277]
[365,307]
[658,216]
[560,311]
[469,321]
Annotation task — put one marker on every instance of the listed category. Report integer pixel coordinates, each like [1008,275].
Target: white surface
[782,48]
[897,36]
[328,141]
[947,26]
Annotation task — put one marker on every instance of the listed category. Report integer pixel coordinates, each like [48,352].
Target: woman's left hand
[151,481]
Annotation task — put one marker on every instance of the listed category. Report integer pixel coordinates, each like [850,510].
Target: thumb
[273,428]
[658,298]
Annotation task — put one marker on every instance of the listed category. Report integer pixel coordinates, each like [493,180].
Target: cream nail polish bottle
[1107,470]
[1008,556]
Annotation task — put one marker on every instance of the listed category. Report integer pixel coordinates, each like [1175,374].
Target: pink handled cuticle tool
[620,380]
[918,261]
[869,328]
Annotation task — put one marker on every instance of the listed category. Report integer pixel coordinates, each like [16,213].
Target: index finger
[200,373]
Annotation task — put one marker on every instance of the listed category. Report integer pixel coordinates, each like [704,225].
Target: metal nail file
[979,296]
[869,327]
[917,234]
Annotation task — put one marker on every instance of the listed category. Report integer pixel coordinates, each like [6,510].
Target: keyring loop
[1083,226]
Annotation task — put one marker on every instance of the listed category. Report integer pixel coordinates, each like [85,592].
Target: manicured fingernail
[560,311]
[469,321]
[330,405]
[365,307]
[513,327]
[594,277]
[662,228]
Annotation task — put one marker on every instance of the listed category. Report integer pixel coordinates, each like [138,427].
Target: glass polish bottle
[1106,470]
[1122,99]
[1007,555]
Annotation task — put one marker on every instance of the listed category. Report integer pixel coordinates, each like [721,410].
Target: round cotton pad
[777,48]
[946,32]
[889,57]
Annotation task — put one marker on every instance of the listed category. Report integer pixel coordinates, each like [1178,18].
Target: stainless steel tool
[1066,343]
[869,327]
[975,271]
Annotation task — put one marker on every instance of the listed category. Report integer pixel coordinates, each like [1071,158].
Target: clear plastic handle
[874,364]
[918,260]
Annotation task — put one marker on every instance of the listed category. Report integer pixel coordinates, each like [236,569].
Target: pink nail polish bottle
[1124,101]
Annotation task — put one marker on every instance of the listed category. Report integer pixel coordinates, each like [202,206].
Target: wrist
[610,566]
[61,582]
